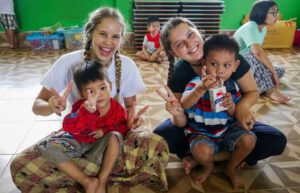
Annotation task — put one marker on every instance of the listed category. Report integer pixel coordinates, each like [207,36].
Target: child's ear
[237,63]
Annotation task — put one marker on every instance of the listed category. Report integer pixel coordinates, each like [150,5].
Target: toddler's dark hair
[88,72]
[152,19]
[221,42]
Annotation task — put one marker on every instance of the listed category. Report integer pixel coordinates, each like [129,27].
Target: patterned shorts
[227,143]
[8,21]
[262,75]
[62,147]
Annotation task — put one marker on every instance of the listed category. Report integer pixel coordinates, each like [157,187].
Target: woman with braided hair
[182,40]
[143,157]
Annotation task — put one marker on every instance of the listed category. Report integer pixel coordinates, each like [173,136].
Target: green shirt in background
[249,34]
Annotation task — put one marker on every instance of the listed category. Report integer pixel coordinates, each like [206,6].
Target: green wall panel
[34,14]
[236,9]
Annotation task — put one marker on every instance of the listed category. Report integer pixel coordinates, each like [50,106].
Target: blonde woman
[103,34]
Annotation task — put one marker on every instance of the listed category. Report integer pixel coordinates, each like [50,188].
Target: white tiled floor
[21,71]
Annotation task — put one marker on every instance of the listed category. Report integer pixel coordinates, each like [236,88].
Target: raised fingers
[141,112]
[161,92]
[68,90]
[170,93]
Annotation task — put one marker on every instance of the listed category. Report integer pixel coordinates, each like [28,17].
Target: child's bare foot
[236,180]
[188,164]
[204,173]
[101,188]
[158,60]
[90,185]
[275,95]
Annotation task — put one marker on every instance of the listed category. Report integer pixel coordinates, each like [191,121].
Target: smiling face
[186,43]
[106,40]
[221,62]
[154,28]
[272,15]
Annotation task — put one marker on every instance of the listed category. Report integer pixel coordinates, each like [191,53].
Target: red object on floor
[297,38]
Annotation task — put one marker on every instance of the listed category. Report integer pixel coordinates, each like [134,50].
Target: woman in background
[181,39]
[250,37]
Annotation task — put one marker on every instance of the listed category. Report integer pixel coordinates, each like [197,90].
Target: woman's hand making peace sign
[173,106]
[58,103]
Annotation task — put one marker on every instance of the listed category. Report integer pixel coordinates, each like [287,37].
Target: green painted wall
[34,14]
[236,9]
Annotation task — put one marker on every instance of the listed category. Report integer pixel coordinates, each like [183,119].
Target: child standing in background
[152,51]
[96,120]
[8,21]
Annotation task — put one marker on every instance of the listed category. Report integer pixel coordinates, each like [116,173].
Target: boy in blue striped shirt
[210,132]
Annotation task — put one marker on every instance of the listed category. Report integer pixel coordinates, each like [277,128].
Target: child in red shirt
[94,128]
[152,51]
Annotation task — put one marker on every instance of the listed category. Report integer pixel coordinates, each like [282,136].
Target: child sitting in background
[152,51]
[94,128]
[210,132]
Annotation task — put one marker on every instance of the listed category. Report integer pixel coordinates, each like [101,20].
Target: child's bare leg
[203,154]
[243,147]
[141,55]
[160,56]
[71,169]
[109,159]
[10,34]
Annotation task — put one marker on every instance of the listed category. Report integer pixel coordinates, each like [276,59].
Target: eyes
[105,35]
[190,35]
[94,91]
[214,64]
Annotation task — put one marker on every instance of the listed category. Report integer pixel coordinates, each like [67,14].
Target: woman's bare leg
[276,95]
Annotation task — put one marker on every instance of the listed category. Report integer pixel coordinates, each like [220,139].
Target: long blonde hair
[95,18]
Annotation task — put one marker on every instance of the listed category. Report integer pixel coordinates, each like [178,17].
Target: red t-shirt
[80,122]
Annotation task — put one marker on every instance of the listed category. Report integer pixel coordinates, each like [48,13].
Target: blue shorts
[231,137]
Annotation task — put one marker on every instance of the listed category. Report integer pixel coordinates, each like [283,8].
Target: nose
[219,70]
[108,41]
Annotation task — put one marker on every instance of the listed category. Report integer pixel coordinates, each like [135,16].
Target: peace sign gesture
[173,106]
[91,102]
[209,81]
[58,103]
[134,120]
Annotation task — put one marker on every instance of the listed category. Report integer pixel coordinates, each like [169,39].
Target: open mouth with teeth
[105,51]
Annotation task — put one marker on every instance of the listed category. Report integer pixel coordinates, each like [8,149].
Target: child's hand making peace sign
[91,102]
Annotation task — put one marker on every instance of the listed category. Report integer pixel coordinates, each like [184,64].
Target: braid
[171,67]
[87,50]
[118,65]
